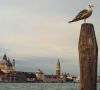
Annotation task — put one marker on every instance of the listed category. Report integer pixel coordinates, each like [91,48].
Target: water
[41,86]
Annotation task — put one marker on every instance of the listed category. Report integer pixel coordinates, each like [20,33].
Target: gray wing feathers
[80,15]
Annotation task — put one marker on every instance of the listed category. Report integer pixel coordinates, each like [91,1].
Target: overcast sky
[36,33]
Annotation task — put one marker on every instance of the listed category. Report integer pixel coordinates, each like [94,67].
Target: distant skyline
[36,33]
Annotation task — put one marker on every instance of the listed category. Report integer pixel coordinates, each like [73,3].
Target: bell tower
[13,65]
[58,68]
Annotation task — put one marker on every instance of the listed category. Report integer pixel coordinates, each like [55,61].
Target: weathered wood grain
[88,56]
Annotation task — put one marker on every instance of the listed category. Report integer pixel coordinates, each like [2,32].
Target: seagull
[84,14]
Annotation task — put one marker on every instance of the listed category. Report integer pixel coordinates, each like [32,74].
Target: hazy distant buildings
[24,76]
[6,65]
[54,78]
[8,73]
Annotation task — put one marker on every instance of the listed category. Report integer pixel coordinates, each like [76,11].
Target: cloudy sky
[36,33]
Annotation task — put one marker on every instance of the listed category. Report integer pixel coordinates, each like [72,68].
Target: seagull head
[90,6]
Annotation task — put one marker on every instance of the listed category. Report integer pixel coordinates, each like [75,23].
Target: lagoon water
[41,86]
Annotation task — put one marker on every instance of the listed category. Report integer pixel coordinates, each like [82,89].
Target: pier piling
[88,57]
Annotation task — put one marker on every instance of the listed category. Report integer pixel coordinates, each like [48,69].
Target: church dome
[39,71]
[5,57]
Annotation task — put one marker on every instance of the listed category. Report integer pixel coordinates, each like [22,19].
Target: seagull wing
[81,14]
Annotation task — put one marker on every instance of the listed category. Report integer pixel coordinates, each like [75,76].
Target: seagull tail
[71,21]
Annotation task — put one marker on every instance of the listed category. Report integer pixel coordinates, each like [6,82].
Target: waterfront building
[63,76]
[19,76]
[57,78]
[2,76]
[31,77]
[77,79]
[69,77]
[58,69]
[6,65]
[52,79]
[39,74]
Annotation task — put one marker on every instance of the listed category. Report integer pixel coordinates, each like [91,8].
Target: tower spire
[58,61]
[5,57]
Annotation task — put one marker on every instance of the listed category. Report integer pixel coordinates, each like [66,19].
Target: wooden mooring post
[88,57]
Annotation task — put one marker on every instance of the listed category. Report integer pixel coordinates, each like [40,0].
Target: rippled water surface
[40,86]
